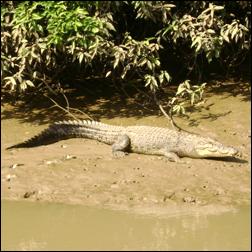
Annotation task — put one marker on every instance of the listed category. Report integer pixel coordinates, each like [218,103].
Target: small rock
[219,191]
[10,176]
[15,165]
[136,168]
[85,169]
[186,190]
[67,157]
[189,199]
[63,146]
[170,196]
[114,186]
[49,162]
[165,198]
[29,194]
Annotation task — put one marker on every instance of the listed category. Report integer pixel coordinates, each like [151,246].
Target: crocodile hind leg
[120,147]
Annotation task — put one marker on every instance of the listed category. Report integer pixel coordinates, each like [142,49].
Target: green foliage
[186,93]
[42,40]
[208,32]
[39,33]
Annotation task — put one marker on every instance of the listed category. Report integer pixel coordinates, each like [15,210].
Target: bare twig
[125,92]
[82,113]
[169,117]
[67,103]
[164,113]
[69,108]
[57,105]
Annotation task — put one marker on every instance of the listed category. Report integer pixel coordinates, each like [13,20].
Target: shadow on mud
[100,99]
[229,159]
[94,98]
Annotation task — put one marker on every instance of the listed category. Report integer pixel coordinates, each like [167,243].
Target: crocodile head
[212,148]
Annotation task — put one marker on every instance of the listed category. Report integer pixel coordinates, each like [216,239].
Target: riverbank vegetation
[48,46]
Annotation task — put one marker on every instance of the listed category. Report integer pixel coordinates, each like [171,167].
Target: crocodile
[170,143]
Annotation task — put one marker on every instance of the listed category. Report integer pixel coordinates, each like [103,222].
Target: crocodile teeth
[213,149]
[224,151]
[206,146]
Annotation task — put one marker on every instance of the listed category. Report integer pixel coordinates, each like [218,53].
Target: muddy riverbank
[81,171]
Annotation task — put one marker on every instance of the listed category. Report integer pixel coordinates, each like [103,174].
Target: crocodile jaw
[212,150]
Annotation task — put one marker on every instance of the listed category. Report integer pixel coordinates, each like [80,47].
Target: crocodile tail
[71,129]
[52,134]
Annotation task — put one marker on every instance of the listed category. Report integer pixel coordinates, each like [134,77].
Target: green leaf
[187,84]
[142,62]
[108,73]
[211,31]
[180,90]
[149,65]
[12,79]
[116,62]
[195,41]
[218,7]
[23,85]
[95,30]
[36,16]
[192,98]
[81,55]
[147,82]
[198,47]
[234,32]
[34,75]
[225,37]
[157,62]
[161,78]
[243,27]
[110,26]
[29,83]
[167,76]
[154,82]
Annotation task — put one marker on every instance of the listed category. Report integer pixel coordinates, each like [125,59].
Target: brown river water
[50,226]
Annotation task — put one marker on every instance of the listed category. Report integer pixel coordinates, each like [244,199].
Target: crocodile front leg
[170,156]
[120,147]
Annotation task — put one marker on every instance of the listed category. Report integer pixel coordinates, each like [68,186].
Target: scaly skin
[138,139]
